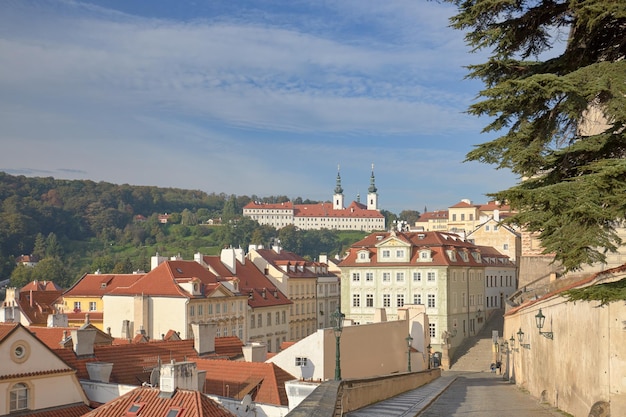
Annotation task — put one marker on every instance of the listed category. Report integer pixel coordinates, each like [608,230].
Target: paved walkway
[468,389]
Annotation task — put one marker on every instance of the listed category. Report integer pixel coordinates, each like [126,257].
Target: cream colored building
[33,378]
[387,270]
[334,216]
[365,351]
[297,278]
[173,296]
[268,307]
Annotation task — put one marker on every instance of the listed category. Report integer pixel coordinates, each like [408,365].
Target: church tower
[338,197]
[372,195]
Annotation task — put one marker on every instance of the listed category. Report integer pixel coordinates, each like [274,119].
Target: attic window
[134,409]
[174,412]
[301,361]
[103,285]
[180,271]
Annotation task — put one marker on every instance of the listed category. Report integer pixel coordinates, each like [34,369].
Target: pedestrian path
[410,403]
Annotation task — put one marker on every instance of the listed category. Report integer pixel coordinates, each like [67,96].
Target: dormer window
[363,256]
[103,285]
[174,412]
[134,409]
[425,255]
[451,255]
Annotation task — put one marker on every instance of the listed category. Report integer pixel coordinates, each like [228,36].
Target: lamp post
[409,339]
[337,320]
[540,319]
[520,339]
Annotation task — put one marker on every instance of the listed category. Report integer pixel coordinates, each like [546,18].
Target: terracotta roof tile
[96,285]
[72,410]
[260,289]
[41,286]
[437,242]
[193,403]
[265,382]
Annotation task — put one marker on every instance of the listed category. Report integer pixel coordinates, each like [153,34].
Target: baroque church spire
[372,188]
[338,189]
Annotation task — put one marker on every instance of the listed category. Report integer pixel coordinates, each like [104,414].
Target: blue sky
[261,97]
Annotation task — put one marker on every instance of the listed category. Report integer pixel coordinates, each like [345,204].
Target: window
[417,276]
[369,276]
[277,318]
[506,246]
[400,276]
[192,311]
[425,254]
[432,329]
[386,300]
[92,306]
[417,298]
[76,305]
[210,308]
[252,321]
[356,276]
[369,300]
[386,253]
[431,301]
[284,320]
[356,300]
[431,276]
[399,253]
[301,361]
[218,308]
[18,397]
[399,300]
[259,320]
[362,256]
[386,276]
[454,217]
[269,319]
[462,216]
[134,409]
[174,412]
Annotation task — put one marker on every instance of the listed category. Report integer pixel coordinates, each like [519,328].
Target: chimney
[126,333]
[239,255]
[227,257]
[99,371]
[255,352]
[83,340]
[183,375]
[86,318]
[496,215]
[204,337]
[198,257]
[157,260]
[57,320]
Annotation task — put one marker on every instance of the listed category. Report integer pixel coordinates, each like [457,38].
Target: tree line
[75,227]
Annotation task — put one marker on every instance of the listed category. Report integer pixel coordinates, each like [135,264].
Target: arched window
[18,397]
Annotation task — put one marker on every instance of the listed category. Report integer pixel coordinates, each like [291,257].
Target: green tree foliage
[21,276]
[605,293]
[555,66]
[409,216]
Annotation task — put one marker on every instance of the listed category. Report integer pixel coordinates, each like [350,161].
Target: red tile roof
[153,404]
[437,242]
[276,206]
[41,286]
[283,257]
[584,282]
[6,329]
[73,410]
[37,305]
[431,215]
[355,209]
[265,382]
[133,362]
[96,285]
[163,280]
[260,289]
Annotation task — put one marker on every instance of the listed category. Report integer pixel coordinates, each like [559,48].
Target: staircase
[476,352]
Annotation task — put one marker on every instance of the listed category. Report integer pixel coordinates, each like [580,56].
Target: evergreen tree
[555,90]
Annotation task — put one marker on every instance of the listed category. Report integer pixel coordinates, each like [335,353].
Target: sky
[265,98]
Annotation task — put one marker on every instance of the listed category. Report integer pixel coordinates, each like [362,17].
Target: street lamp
[540,319]
[337,320]
[520,339]
[409,339]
